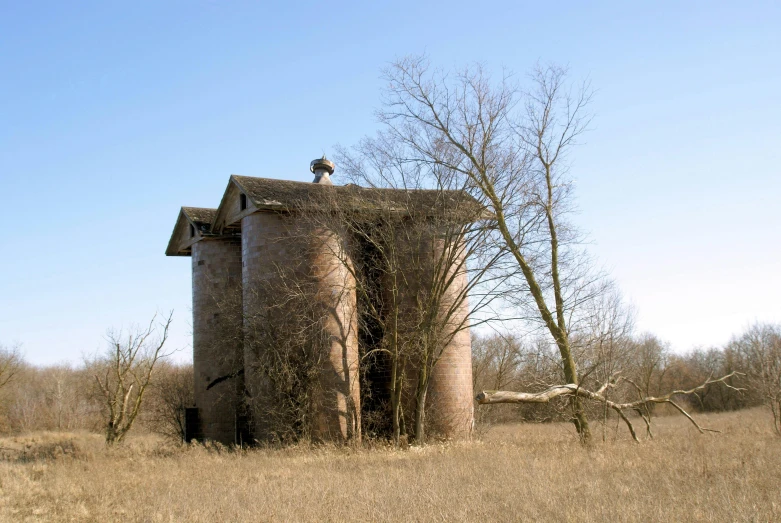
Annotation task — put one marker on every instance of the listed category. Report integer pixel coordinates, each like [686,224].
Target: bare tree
[569,390]
[501,361]
[11,363]
[125,371]
[509,149]
[760,348]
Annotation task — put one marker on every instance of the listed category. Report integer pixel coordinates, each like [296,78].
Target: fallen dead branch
[489,397]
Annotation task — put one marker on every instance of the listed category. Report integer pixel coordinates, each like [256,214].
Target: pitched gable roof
[182,237]
[200,215]
[267,194]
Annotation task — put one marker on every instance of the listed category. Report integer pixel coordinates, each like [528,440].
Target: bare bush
[687,370]
[502,361]
[170,393]
[287,344]
[644,374]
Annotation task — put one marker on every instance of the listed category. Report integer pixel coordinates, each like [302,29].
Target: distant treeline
[647,364]
[66,398]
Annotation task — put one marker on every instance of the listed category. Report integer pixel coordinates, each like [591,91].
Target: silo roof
[288,196]
[201,219]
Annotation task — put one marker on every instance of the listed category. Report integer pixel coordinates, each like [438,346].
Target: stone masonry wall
[264,251]
[449,404]
[217,335]
[450,408]
[338,414]
[280,243]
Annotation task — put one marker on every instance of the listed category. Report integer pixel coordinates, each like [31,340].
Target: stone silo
[295,272]
[433,293]
[217,321]
[338,413]
[269,257]
[450,408]
[276,316]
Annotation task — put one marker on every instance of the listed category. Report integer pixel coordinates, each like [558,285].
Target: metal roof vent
[323,168]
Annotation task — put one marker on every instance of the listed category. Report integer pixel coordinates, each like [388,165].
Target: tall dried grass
[514,472]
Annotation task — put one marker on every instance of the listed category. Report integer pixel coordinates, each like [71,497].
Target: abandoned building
[244,255]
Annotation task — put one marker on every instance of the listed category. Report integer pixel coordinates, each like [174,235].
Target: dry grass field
[512,473]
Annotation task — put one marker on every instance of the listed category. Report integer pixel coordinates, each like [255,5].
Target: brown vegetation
[635,373]
[63,398]
[514,472]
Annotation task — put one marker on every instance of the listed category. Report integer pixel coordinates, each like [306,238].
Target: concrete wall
[217,335]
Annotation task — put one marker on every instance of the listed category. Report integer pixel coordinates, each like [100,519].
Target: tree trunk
[396,401]
[420,406]
[581,421]
[571,375]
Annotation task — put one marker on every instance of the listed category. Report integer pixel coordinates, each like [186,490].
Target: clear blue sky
[113,115]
